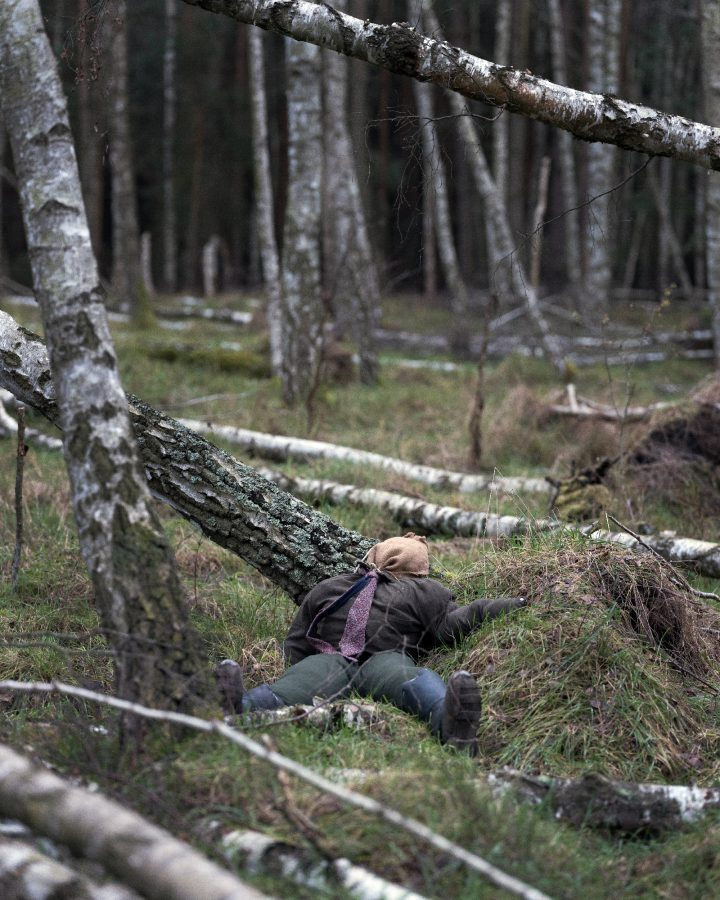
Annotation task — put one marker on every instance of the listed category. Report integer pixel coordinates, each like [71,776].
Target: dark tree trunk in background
[126,275]
[136,585]
[169,227]
[711,75]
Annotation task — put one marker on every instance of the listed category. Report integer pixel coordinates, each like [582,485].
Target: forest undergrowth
[613,667]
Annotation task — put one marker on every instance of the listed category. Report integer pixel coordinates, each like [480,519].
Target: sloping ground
[613,668]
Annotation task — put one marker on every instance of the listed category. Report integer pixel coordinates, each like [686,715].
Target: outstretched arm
[462,620]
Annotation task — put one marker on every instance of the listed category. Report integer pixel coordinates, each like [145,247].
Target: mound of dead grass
[612,667]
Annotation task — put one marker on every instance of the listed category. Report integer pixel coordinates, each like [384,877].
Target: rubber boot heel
[461,713]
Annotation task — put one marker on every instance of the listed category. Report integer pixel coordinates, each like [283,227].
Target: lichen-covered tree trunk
[169,227]
[711,77]
[399,48]
[264,198]
[126,273]
[136,584]
[287,541]
[301,296]
[350,272]
[603,54]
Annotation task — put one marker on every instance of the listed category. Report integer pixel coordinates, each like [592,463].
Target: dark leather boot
[228,675]
[461,713]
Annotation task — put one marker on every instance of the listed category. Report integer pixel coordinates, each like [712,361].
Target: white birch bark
[568,182]
[131,565]
[279,447]
[144,856]
[711,77]
[603,54]
[350,271]
[169,224]
[506,267]
[126,274]
[431,518]
[264,215]
[399,48]
[28,874]
[301,298]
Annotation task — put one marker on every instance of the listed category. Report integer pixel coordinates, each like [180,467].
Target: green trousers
[330,675]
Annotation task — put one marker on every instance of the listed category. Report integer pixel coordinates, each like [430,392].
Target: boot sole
[461,713]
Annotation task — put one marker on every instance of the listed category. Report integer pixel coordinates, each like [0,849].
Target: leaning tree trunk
[350,272]
[136,584]
[126,275]
[711,76]
[290,543]
[169,228]
[603,52]
[264,198]
[301,298]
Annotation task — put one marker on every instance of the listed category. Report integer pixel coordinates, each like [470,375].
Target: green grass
[569,685]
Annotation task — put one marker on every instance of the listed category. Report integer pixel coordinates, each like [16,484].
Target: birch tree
[132,568]
[399,48]
[169,229]
[301,299]
[603,55]
[126,274]
[264,198]
[711,75]
[350,272]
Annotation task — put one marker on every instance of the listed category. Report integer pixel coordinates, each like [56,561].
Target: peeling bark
[399,48]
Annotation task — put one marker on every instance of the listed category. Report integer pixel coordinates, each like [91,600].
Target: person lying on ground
[363,632]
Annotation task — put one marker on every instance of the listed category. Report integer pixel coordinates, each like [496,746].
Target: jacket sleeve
[460,621]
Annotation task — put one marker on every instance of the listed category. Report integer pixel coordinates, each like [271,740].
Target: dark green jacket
[408,615]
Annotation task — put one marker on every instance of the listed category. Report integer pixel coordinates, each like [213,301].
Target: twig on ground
[367,804]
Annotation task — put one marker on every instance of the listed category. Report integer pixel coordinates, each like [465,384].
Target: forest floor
[571,685]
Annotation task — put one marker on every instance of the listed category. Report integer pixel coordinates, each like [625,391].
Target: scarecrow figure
[362,632]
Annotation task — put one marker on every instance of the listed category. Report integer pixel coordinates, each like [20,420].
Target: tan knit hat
[401,556]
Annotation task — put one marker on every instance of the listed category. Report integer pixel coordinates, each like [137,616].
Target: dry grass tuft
[611,668]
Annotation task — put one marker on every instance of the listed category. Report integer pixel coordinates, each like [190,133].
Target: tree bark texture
[399,48]
[169,225]
[145,857]
[126,274]
[599,802]
[28,874]
[350,272]
[137,588]
[711,76]
[568,178]
[603,54]
[301,298]
[265,219]
[501,126]
[283,538]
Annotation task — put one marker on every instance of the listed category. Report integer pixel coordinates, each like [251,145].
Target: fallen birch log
[9,427]
[262,854]
[279,447]
[601,802]
[431,518]
[142,855]
[284,764]
[591,409]
[223,316]
[27,874]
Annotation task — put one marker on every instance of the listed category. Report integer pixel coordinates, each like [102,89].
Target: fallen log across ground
[141,855]
[599,802]
[431,518]
[260,853]
[582,407]
[280,447]
[25,872]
